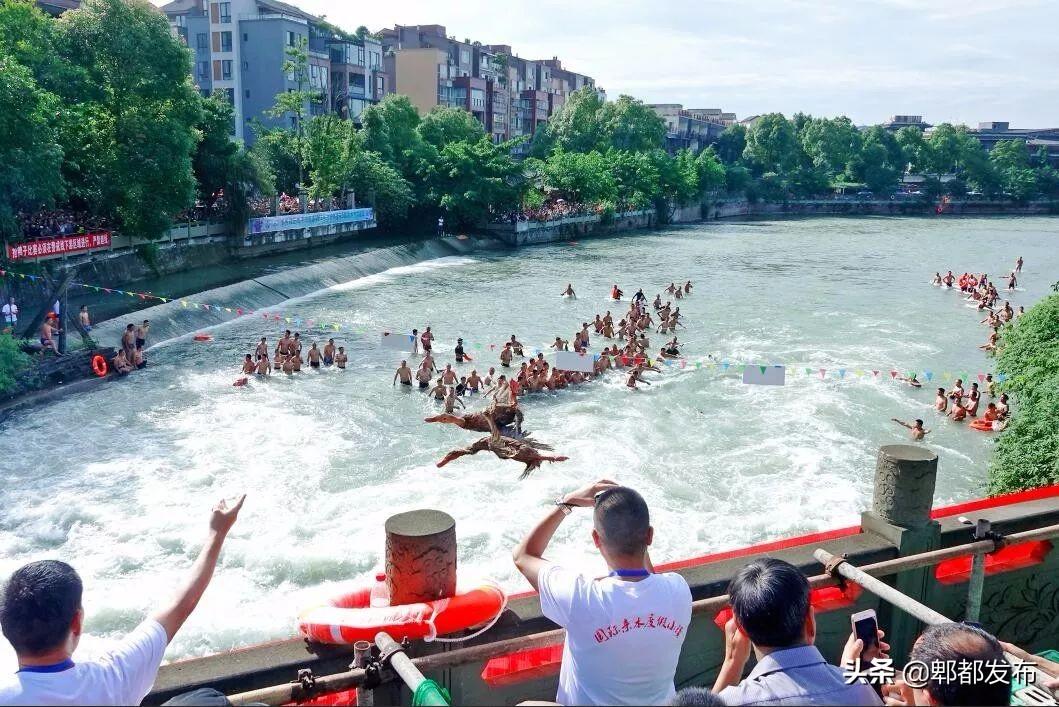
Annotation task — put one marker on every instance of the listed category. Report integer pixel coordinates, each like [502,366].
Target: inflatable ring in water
[982,425]
[99,365]
[203,337]
[349,617]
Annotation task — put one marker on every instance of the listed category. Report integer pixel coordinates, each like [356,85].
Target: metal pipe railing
[279,694]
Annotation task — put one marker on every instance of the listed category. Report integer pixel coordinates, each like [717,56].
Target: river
[119,480]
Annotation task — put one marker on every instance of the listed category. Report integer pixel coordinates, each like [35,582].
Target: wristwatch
[565,507]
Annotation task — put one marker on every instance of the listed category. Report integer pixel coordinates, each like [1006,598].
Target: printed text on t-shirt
[606,633]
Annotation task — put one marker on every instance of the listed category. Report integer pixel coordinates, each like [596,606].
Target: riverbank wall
[1021,580]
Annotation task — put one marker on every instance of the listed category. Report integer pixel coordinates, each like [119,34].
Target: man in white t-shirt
[41,615]
[624,631]
[10,313]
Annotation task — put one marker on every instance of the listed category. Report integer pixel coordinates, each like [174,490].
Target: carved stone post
[420,556]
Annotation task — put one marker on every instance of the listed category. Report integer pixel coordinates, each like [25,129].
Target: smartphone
[866,627]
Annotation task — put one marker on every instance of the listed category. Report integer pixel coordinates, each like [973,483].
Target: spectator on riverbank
[10,314]
[771,614]
[86,321]
[41,614]
[982,678]
[623,632]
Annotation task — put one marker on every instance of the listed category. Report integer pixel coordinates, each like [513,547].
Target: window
[292,39]
[465,56]
[246,66]
[246,93]
[181,21]
[356,83]
[203,72]
[380,85]
[374,59]
[246,37]
[226,41]
[226,69]
[225,12]
[201,41]
[360,56]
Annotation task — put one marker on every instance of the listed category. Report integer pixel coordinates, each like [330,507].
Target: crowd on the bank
[58,222]
[624,632]
[546,212]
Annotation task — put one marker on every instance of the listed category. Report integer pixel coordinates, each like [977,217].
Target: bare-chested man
[288,364]
[404,373]
[314,356]
[474,382]
[1018,264]
[248,364]
[341,358]
[439,391]
[449,377]
[423,377]
[687,287]
[559,344]
[916,428]
[262,348]
[128,340]
[941,401]
[296,358]
[427,339]
[329,352]
[264,366]
[569,292]
[516,346]
[527,452]
[451,401]
[505,355]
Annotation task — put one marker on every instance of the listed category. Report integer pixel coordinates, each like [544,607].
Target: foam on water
[327,456]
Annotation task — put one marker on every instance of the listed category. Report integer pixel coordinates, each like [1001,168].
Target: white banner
[763,375]
[570,361]
[397,342]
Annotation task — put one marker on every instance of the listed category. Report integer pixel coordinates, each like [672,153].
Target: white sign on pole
[397,342]
[763,375]
[572,361]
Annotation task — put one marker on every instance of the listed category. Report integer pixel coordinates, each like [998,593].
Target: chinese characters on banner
[58,246]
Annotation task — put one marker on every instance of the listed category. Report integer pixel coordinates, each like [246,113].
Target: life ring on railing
[203,337]
[349,616]
[99,365]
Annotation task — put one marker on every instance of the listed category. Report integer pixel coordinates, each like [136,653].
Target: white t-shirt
[10,312]
[623,638]
[122,677]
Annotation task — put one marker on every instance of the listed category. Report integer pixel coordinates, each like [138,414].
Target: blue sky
[949,60]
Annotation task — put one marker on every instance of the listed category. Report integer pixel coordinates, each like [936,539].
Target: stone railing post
[905,476]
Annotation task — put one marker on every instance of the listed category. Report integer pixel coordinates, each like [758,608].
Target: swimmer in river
[1002,406]
[461,387]
[671,289]
[687,287]
[937,279]
[288,364]
[560,344]
[516,346]
[489,378]
[569,292]
[296,358]
[657,304]
[262,348]
[1012,282]
[639,296]
[248,364]
[636,374]
[341,358]
[615,292]
[917,428]
[423,378]
[329,352]
[404,373]
[459,351]
[941,401]
[973,397]
[1022,310]
[439,391]
[1018,264]
[948,279]
[957,390]
[264,366]
[415,342]
[428,362]
[911,380]
[505,355]
[474,383]
[526,451]
[426,338]
[314,356]
[451,401]
[449,376]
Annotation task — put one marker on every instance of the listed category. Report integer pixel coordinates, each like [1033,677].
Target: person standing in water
[329,352]
[341,358]
[314,356]
[405,374]
[569,292]
[1018,264]
[248,364]
[917,428]
[459,351]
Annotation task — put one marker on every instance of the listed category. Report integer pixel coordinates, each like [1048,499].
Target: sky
[961,61]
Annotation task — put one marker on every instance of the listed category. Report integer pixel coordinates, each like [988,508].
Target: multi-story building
[240,48]
[509,95]
[897,122]
[691,128]
[1037,139]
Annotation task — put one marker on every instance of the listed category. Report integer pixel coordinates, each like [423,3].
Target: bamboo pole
[280,694]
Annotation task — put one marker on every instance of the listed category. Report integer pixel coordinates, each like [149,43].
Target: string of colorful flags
[709,362]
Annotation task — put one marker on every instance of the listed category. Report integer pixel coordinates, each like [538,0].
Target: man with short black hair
[956,644]
[771,613]
[41,615]
[624,631]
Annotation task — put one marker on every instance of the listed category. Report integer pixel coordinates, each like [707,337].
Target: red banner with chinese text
[58,246]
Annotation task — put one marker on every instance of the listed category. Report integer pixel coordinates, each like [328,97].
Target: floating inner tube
[203,337]
[349,617]
[982,425]
[99,365]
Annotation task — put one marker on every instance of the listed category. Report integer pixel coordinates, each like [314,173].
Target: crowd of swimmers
[958,404]
[288,357]
[130,355]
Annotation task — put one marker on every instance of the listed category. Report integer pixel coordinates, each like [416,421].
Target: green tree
[636,178]
[444,125]
[30,157]
[294,104]
[910,139]
[710,171]
[737,179]
[679,179]
[576,125]
[871,165]
[376,182]
[731,143]
[771,143]
[277,149]
[830,143]
[139,111]
[12,362]
[1011,159]
[473,178]
[1027,451]
[582,177]
[629,124]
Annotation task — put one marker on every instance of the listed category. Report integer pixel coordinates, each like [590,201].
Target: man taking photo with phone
[42,616]
[624,631]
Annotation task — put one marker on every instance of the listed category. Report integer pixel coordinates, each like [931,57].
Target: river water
[119,481]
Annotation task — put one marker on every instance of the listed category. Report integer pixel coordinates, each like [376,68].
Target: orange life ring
[203,337]
[982,425]
[99,365]
[349,616]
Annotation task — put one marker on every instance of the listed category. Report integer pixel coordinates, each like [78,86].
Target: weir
[518,659]
[172,319]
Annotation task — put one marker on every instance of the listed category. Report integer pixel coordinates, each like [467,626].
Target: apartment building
[509,95]
[691,128]
[240,47]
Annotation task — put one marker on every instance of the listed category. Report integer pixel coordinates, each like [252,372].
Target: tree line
[98,112]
